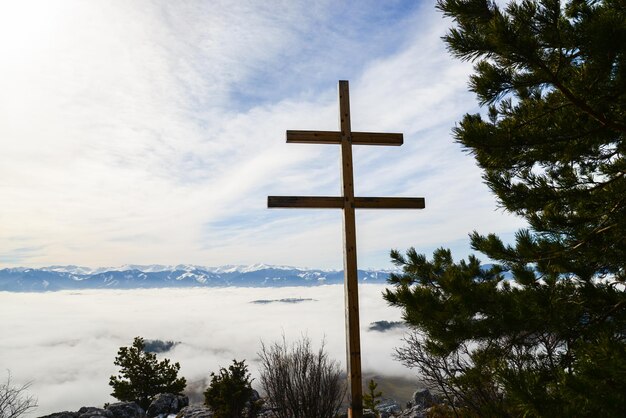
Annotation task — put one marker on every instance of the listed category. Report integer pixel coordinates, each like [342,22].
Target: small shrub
[230,392]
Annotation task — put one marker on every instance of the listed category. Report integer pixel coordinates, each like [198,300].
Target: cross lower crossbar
[334,137]
[330,202]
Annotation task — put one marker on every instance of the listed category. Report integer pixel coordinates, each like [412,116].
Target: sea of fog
[65,342]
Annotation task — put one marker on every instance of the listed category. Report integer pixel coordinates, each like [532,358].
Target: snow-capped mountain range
[55,278]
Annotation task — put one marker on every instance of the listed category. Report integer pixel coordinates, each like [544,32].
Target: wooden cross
[346,138]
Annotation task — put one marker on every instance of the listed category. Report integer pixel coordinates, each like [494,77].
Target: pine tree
[551,341]
[371,399]
[142,376]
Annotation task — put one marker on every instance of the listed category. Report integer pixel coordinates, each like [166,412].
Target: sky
[65,343]
[152,132]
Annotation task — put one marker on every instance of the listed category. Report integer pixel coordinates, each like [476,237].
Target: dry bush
[300,383]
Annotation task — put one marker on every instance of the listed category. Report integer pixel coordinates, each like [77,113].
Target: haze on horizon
[152,132]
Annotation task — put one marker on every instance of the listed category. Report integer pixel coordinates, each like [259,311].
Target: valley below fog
[65,342]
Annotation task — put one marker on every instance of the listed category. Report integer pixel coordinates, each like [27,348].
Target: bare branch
[14,400]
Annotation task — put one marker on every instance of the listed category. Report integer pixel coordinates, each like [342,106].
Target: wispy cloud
[20,255]
[152,132]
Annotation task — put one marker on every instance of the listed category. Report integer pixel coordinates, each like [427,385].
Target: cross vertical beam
[353,334]
[348,202]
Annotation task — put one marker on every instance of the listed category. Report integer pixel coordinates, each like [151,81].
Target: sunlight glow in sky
[152,132]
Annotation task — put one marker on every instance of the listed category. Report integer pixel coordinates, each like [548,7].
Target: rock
[165,404]
[115,410]
[368,413]
[423,398]
[255,396]
[195,412]
[416,411]
[417,407]
[266,410]
[255,406]
[126,410]
[388,407]
[65,414]
[90,412]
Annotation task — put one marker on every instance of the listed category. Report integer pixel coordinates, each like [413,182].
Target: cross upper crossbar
[334,137]
[348,202]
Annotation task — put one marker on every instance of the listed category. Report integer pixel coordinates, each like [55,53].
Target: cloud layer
[65,342]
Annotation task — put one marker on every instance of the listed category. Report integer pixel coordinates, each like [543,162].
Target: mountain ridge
[71,277]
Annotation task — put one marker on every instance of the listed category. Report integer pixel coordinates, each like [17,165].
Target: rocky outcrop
[64,414]
[115,410]
[388,408]
[368,413]
[255,403]
[120,410]
[255,397]
[126,410]
[416,411]
[424,398]
[93,412]
[195,411]
[421,401]
[165,404]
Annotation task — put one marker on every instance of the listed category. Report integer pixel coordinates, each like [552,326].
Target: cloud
[20,255]
[152,132]
[65,342]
